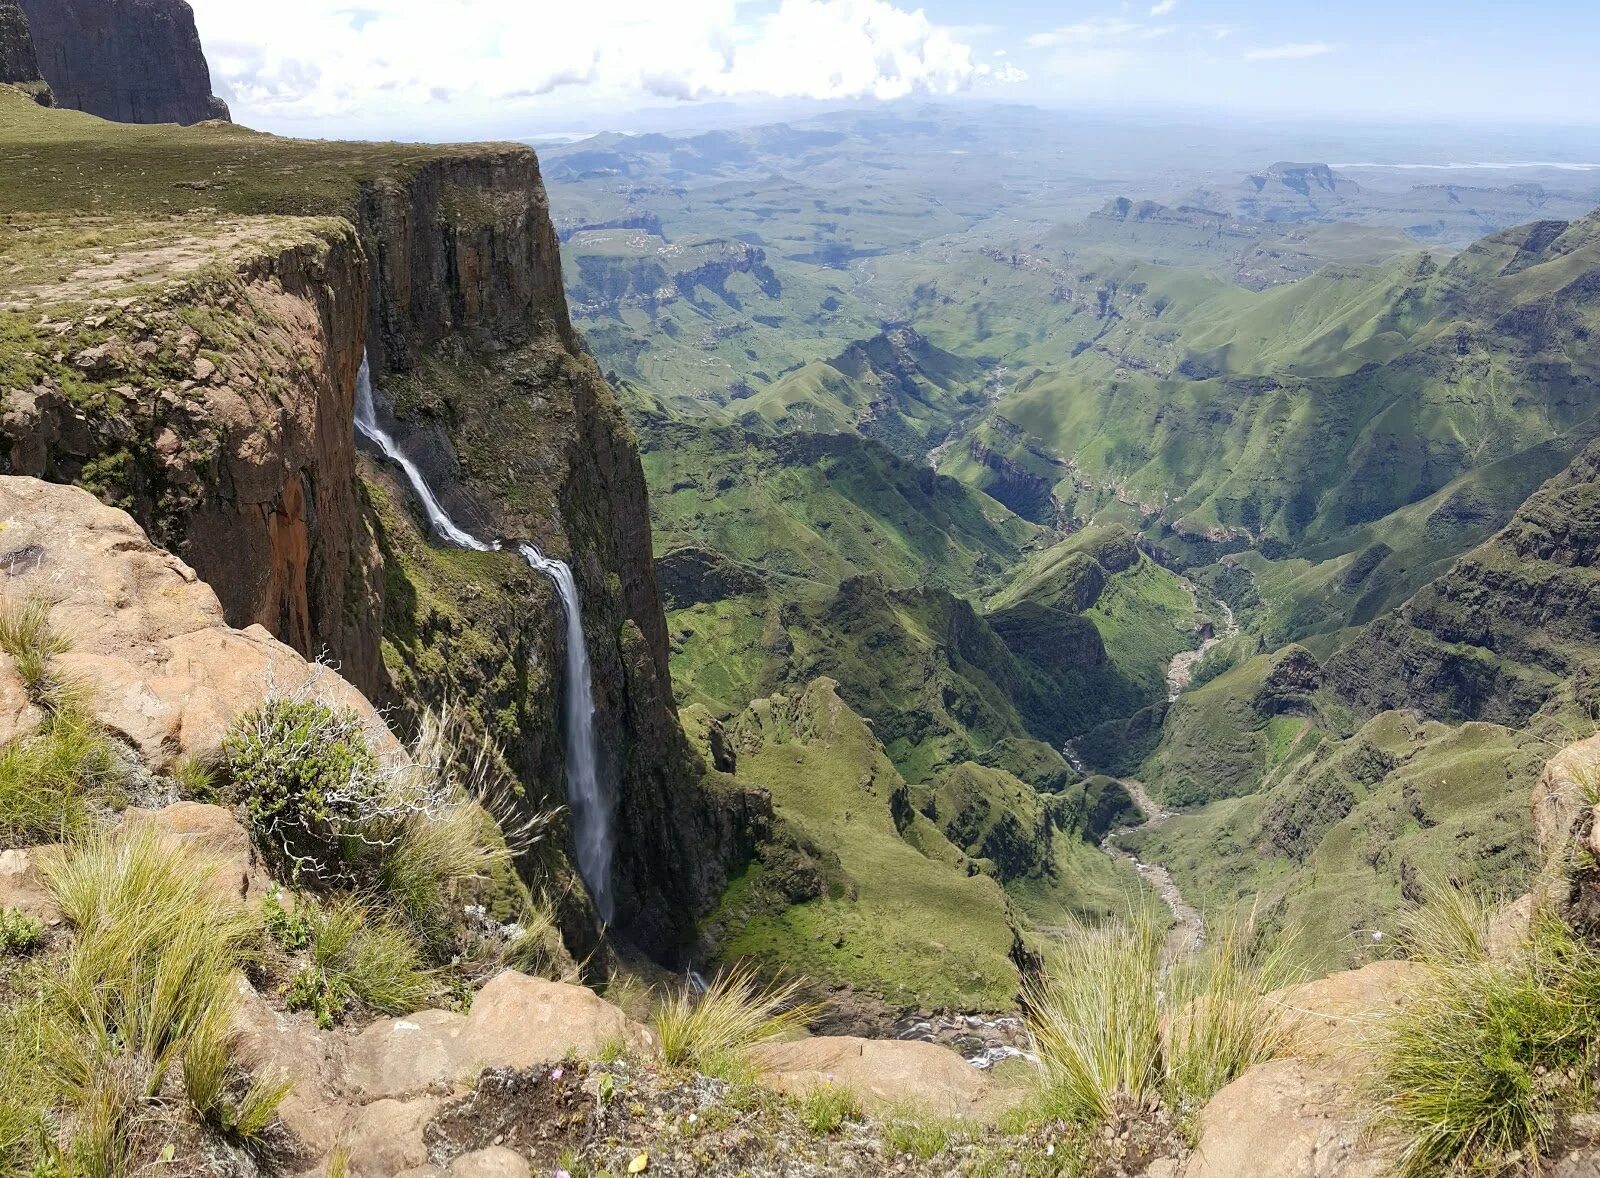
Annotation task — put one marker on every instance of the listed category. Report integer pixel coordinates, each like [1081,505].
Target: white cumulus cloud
[1163,7]
[315,59]
[1294,52]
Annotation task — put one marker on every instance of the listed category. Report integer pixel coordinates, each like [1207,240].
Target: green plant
[824,1107]
[358,956]
[52,780]
[430,857]
[736,1011]
[194,779]
[289,930]
[919,1137]
[308,782]
[144,991]
[1474,1071]
[27,636]
[1110,1027]
[20,934]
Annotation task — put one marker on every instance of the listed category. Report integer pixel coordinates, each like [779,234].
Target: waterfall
[367,423]
[589,800]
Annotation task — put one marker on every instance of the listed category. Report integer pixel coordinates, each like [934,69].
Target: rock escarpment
[130,61]
[19,65]
[220,404]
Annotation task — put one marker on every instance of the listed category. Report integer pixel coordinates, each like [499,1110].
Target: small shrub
[735,1012]
[291,931]
[20,934]
[825,1107]
[359,957]
[308,783]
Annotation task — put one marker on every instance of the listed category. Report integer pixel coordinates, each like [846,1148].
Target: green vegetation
[710,1030]
[355,958]
[824,1107]
[859,908]
[1111,1027]
[143,993]
[20,934]
[1476,1070]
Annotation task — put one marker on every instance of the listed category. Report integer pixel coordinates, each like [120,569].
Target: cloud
[1296,51]
[1097,32]
[312,60]
[1163,7]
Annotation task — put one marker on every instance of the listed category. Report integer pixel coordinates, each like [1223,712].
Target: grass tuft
[1111,1029]
[825,1107]
[357,957]
[27,636]
[736,1012]
[1477,1069]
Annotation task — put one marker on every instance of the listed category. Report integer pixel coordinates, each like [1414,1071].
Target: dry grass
[1111,1029]
[710,1031]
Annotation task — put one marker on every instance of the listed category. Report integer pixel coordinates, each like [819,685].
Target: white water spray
[589,799]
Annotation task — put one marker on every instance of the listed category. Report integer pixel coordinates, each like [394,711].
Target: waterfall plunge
[588,798]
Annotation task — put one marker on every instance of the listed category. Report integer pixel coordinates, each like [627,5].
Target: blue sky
[452,67]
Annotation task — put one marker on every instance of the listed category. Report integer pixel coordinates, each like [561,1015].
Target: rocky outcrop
[884,1074]
[130,61]
[694,576]
[19,65]
[168,674]
[1495,637]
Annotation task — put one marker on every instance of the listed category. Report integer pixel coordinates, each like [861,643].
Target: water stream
[590,801]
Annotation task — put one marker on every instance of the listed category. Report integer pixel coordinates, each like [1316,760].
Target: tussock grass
[358,956]
[52,781]
[136,1011]
[27,636]
[909,1133]
[736,1011]
[825,1107]
[1113,1031]
[1477,1069]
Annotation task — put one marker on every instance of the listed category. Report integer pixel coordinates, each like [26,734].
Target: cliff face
[130,61]
[19,65]
[514,426]
[214,406]
[1499,634]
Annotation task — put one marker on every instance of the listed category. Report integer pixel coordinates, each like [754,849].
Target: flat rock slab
[1289,1118]
[883,1073]
[1338,1015]
[516,1022]
[22,887]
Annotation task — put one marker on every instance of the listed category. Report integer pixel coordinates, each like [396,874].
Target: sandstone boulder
[385,1138]
[275,1047]
[516,1022]
[494,1162]
[148,636]
[1289,1118]
[1335,1016]
[883,1073]
[22,887]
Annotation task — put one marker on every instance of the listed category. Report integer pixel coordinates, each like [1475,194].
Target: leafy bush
[20,934]
[735,1012]
[1111,1028]
[1475,1071]
[308,783]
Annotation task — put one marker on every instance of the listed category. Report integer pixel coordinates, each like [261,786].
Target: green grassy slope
[900,916]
